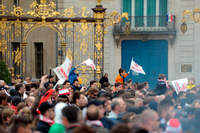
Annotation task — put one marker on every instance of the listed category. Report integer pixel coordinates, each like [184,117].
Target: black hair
[75,80]
[121,70]
[66,81]
[18,86]
[71,112]
[92,82]
[161,76]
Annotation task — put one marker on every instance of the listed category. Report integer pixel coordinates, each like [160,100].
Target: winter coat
[43,127]
[72,76]
[161,88]
[120,79]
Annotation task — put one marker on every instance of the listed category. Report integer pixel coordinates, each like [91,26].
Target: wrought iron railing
[146,24]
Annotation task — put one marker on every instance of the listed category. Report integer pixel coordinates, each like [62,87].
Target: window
[38,59]
[139,13]
[163,9]
[15,50]
[151,12]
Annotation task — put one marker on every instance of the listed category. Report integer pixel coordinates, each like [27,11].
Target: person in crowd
[79,99]
[20,88]
[7,115]
[174,126]
[58,126]
[50,83]
[3,99]
[72,117]
[121,76]
[76,86]
[93,119]
[30,101]
[166,111]
[15,101]
[93,84]
[101,105]
[21,124]
[27,80]
[118,106]
[104,79]
[162,85]
[73,75]
[46,113]
[191,84]
[92,94]
[84,129]
[150,120]
[121,128]
[66,84]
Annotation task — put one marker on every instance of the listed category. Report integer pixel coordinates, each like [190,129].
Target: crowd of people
[125,107]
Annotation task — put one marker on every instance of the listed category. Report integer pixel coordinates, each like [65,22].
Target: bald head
[92,112]
[149,119]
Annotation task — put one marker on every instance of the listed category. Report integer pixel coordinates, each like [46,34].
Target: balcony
[145,25]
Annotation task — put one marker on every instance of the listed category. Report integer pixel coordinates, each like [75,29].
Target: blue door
[152,55]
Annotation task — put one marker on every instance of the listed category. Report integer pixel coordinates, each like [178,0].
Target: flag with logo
[90,63]
[180,85]
[136,68]
[63,70]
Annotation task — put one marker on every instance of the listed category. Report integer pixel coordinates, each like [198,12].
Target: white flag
[90,63]
[63,70]
[180,85]
[136,68]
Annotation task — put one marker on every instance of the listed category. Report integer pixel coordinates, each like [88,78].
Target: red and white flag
[90,63]
[180,85]
[136,68]
[64,91]
[63,70]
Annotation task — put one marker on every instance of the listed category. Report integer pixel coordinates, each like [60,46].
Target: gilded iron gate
[81,35]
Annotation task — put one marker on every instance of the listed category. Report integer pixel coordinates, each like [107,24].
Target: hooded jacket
[72,75]
[58,127]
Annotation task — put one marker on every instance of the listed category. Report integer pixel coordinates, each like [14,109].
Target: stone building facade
[182,49]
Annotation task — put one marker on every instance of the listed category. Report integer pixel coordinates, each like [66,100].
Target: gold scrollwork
[84,28]
[17,11]
[84,46]
[17,56]
[69,54]
[99,46]
[69,12]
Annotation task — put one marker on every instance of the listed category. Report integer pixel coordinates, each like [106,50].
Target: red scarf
[45,119]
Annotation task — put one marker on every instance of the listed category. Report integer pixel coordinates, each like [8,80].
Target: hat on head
[173,126]
[44,107]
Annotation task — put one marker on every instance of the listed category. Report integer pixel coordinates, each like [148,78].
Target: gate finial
[99,2]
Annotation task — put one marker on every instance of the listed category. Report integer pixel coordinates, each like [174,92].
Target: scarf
[45,119]
[94,123]
[167,85]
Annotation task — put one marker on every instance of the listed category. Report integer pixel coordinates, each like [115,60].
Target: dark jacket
[71,128]
[43,127]
[107,123]
[161,88]
[103,80]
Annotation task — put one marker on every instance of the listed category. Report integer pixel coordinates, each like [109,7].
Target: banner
[136,68]
[180,85]
[90,63]
[63,70]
